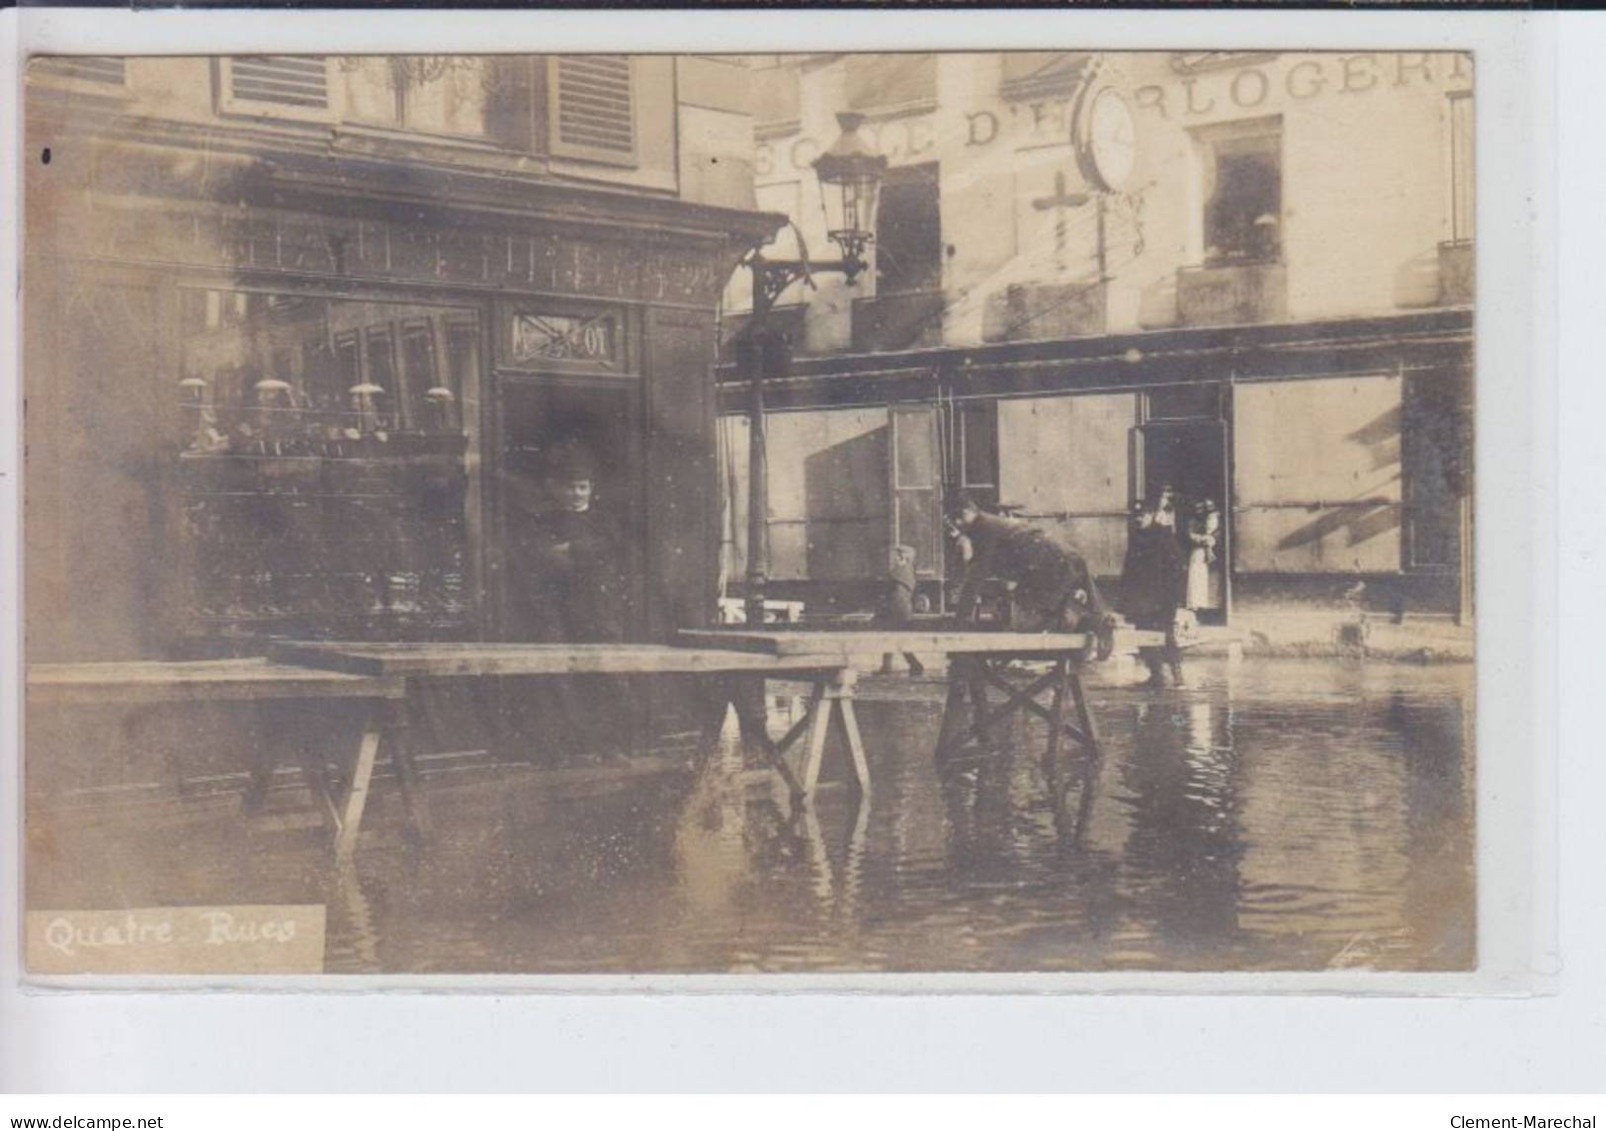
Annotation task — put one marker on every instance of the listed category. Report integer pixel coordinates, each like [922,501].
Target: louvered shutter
[591,100]
[86,68]
[292,86]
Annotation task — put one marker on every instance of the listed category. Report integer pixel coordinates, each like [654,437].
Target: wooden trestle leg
[402,758]
[832,696]
[349,821]
[952,734]
[970,676]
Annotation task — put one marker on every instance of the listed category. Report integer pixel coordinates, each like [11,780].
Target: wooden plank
[449,660]
[787,642]
[208,681]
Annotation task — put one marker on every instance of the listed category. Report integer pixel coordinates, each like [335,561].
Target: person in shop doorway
[1204,533]
[572,557]
[1152,582]
[898,605]
[569,587]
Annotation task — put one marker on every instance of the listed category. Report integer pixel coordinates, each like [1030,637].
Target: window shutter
[86,68]
[291,86]
[592,106]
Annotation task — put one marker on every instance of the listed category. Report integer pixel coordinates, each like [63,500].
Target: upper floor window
[282,86]
[908,239]
[439,94]
[1242,171]
[591,107]
[1463,215]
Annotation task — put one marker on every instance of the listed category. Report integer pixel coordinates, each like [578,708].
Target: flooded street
[1276,815]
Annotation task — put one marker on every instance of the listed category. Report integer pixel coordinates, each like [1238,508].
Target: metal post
[758,491]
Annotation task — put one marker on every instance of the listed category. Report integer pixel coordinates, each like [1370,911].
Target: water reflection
[1291,815]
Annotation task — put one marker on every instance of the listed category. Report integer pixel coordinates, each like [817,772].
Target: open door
[536,414]
[1191,456]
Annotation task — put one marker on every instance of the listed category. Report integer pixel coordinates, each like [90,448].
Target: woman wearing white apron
[1203,532]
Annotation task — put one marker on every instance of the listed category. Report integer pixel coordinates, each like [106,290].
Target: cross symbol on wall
[1059,202]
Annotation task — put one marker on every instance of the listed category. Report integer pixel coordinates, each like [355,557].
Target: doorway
[540,419]
[1190,455]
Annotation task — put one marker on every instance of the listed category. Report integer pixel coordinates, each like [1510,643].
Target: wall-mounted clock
[1106,139]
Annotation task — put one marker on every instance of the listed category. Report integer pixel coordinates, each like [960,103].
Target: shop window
[306,511]
[418,365]
[1243,182]
[1437,457]
[916,485]
[348,364]
[887,82]
[591,100]
[288,86]
[908,253]
[462,355]
[382,372]
[977,438]
[1463,215]
[97,69]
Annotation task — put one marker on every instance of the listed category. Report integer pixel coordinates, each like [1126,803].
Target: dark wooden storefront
[169,519]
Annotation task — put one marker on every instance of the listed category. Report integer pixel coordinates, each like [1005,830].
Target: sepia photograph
[972,512]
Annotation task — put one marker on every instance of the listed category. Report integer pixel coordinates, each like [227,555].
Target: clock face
[1110,139]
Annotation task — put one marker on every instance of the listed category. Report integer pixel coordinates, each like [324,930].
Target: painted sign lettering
[564,337]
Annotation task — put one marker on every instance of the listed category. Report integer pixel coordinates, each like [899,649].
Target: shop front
[271,398]
[1323,466]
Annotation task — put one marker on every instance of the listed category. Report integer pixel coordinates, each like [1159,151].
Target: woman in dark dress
[1152,578]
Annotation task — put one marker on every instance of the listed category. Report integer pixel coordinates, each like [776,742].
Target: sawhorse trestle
[831,699]
[970,715]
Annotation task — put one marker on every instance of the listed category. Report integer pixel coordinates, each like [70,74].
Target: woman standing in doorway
[1152,581]
[1204,530]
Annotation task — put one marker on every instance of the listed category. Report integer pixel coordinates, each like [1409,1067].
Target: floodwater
[1275,815]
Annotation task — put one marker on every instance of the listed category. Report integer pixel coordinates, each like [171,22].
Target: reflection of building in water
[301,326]
[1247,274]
[1324,838]
[1181,790]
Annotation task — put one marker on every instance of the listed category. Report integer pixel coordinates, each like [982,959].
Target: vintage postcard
[973,512]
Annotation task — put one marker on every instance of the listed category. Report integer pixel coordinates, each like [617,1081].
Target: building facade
[301,333]
[1245,275]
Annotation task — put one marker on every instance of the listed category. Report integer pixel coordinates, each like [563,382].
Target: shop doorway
[543,421]
[1191,457]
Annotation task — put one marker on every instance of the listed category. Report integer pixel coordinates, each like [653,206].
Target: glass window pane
[370,90]
[979,424]
[446,95]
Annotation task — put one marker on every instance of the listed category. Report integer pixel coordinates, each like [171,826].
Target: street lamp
[850,175]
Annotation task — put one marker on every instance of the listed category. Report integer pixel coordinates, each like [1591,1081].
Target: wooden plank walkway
[203,681]
[457,660]
[257,680]
[804,642]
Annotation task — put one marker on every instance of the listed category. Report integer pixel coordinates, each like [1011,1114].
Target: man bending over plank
[1053,587]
